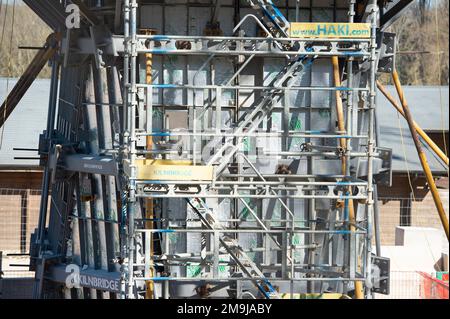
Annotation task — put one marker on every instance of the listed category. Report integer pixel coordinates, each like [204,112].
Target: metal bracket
[98,55]
[384,176]
[35,248]
[84,163]
[381,274]
[382,166]
[387,49]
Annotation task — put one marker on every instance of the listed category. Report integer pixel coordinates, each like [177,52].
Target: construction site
[222,149]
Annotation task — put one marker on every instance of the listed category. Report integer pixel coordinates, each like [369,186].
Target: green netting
[245,213]
[296,126]
[157,114]
[295,239]
[195,270]
[252,243]
[325,113]
[173,238]
[247,144]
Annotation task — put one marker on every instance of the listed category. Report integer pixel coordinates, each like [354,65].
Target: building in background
[20,178]
[408,201]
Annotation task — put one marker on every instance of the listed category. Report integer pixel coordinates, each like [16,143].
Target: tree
[422,44]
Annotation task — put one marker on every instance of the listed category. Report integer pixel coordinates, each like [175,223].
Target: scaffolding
[210,156]
[229,196]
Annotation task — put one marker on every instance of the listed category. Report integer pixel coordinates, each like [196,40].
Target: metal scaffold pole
[371,146]
[132,89]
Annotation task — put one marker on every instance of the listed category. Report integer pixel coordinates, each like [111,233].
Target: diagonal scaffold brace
[420,152]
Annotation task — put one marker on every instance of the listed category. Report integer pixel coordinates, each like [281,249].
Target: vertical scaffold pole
[149,216]
[131,89]
[125,93]
[132,120]
[371,142]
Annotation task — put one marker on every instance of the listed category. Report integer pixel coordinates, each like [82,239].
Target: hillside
[27,30]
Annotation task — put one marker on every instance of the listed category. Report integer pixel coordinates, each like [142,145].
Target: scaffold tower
[213,149]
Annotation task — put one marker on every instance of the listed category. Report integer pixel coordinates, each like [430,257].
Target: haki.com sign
[330,30]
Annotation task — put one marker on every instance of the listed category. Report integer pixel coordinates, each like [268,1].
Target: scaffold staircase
[278,26]
[236,252]
[272,17]
[249,122]
[96,99]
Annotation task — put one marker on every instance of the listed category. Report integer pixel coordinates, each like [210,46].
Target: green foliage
[423,33]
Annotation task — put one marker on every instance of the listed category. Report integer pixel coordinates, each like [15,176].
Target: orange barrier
[433,288]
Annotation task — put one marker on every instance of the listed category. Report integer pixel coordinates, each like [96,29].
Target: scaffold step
[233,248]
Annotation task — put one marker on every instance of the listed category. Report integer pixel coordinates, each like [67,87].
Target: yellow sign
[330,30]
[166,170]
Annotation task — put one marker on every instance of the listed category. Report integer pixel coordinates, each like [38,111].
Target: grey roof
[429,106]
[23,127]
